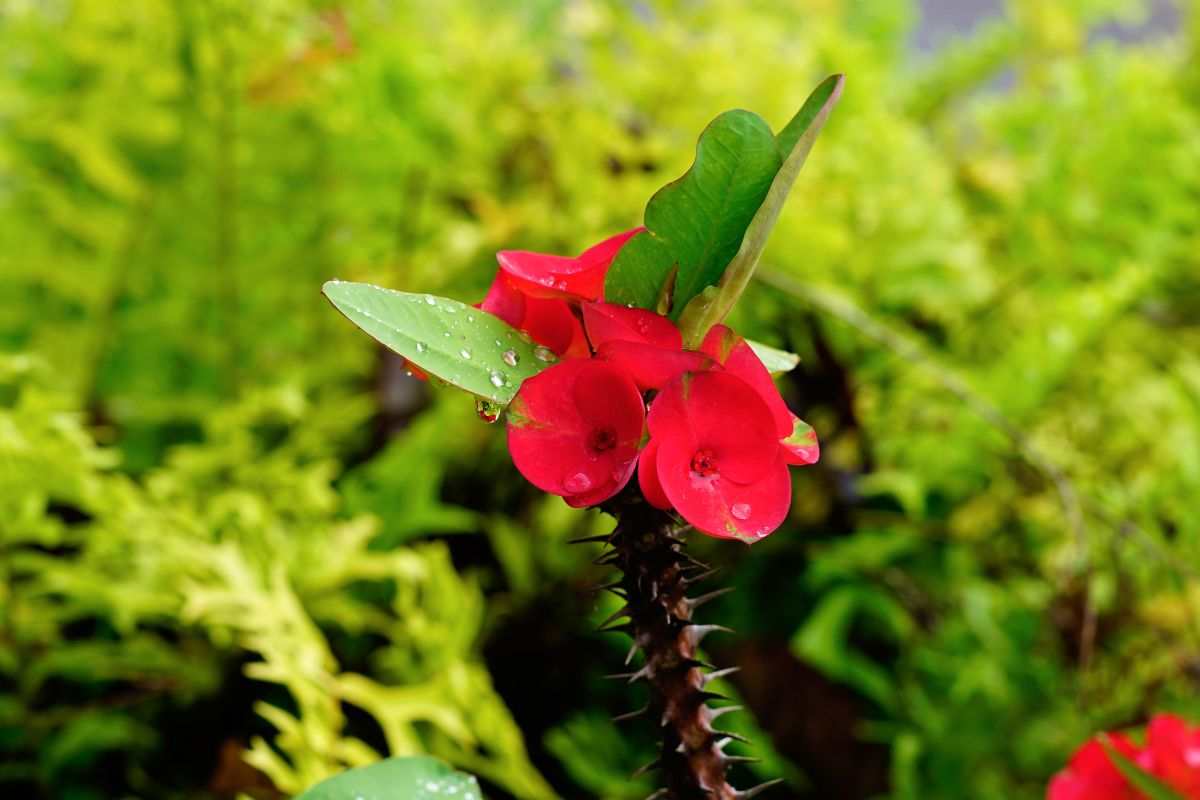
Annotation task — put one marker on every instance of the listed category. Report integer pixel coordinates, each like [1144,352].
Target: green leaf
[775,360]
[414,778]
[1143,781]
[461,345]
[697,221]
[795,142]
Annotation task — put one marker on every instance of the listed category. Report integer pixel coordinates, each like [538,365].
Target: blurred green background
[240,550]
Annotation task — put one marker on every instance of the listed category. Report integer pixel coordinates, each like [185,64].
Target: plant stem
[648,548]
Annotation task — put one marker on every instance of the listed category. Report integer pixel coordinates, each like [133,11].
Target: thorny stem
[647,547]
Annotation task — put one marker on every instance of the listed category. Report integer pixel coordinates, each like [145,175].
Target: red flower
[582,277]
[1174,754]
[1091,775]
[548,322]
[718,459]
[608,322]
[574,430]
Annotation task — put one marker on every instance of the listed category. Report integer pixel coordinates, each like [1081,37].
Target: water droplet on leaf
[430,300]
[510,357]
[488,411]
[422,347]
[544,354]
[465,353]
[498,380]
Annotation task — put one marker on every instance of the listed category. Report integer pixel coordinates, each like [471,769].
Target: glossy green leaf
[415,778]
[795,142]
[461,345]
[697,222]
[1143,781]
[775,360]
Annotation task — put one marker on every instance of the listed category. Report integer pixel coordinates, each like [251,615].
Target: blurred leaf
[775,360]
[461,345]
[695,224]
[412,778]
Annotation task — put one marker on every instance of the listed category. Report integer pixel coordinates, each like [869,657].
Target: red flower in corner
[574,430]
[1173,750]
[1091,775]
[580,278]
[716,458]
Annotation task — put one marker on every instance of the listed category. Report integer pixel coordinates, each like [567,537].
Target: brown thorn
[757,790]
[631,714]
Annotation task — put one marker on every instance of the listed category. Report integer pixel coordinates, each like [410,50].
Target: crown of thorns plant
[616,363]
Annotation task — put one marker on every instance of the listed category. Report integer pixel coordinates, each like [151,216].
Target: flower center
[602,439]
[704,463]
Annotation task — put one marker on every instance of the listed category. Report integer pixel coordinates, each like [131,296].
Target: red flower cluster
[1171,754]
[717,440]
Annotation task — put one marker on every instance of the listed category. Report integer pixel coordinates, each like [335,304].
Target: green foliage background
[241,551]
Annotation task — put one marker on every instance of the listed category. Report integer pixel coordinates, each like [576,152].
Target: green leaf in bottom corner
[414,778]
[463,346]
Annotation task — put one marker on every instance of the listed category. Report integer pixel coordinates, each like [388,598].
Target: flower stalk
[657,576]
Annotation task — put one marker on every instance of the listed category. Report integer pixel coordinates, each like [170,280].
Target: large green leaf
[694,225]
[795,142]
[452,341]
[415,778]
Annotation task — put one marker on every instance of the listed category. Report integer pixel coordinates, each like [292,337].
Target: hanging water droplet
[740,510]
[465,353]
[498,380]
[579,482]
[510,357]
[430,300]
[422,347]
[488,411]
[544,354]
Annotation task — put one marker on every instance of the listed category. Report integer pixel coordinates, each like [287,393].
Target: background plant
[231,526]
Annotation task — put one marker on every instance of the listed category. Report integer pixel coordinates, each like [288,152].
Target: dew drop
[487,411]
[430,300]
[470,317]
[446,334]
[465,353]
[577,483]
[498,380]
[422,347]
[740,510]
[544,354]
[510,357]
[499,343]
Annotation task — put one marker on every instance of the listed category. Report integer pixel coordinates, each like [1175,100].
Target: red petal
[542,275]
[1091,775]
[732,352]
[621,477]
[608,322]
[551,323]
[504,301]
[652,367]
[648,480]
[718,412]
[1175,753]
[718,506]
[802,446]
[553,424]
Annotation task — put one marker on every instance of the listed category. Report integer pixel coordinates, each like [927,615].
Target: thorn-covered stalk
[656,573]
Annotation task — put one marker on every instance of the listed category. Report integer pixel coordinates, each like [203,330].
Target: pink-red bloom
[1171,755]
[575,428]
[1091,775]
[720,436]
[581,277]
